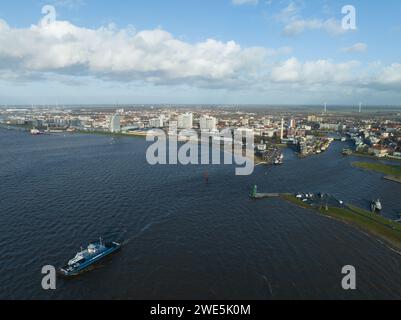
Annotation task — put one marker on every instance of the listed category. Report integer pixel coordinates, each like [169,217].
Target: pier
[392,178]
[257,195]
[266,195]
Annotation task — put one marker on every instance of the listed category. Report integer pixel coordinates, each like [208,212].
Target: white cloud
[282,51]
[390,75]
[64,51]
[295,24]
[314,72]
[296,27]
[241,2]
[357,47]
[153,55]
[289,13]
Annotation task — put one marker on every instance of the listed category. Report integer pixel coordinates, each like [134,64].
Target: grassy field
[378,226]
[393,170]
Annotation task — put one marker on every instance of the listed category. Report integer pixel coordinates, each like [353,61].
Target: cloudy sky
[199,51]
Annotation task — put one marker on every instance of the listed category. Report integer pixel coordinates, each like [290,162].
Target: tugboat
[376,206]
[88,257]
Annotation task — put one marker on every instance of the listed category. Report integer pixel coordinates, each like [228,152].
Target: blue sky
[200,51]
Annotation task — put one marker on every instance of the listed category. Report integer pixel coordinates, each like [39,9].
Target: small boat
[347,152]
[206,176]
[36,132]
[279,160]
[376,206]
[88,257]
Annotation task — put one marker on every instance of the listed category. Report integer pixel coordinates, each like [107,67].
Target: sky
[200,52]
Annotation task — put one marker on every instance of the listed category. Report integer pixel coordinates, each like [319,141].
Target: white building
[185,121]
[173,128]
[157,122]
[268,133]
[208,123]
[115,123]
[329,126]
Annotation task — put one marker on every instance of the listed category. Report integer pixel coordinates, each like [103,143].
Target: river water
[184,239]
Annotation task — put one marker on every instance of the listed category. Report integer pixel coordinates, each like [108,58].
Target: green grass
[378,226]
[393,170]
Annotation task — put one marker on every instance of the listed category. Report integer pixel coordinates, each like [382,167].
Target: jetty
[257,195]
[392,178]
[384,229]
[266,195]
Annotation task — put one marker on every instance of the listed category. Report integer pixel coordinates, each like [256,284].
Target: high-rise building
[208,123]
[173,128]
[115,123]
[157,122]
[185,121]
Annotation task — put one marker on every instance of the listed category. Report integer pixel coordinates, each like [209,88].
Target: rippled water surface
[184,239]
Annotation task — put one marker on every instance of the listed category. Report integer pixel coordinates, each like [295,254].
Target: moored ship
[36,132]
[376,206]
[88,257]
[347,152]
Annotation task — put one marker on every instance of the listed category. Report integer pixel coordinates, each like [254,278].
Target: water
[184,239]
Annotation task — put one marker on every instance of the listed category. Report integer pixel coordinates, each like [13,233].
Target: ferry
[88,257]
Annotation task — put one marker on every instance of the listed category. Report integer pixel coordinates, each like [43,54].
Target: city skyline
[226,52]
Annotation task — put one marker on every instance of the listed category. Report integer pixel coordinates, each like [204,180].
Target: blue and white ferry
[88,257]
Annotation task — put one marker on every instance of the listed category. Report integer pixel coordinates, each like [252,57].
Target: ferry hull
[84,267]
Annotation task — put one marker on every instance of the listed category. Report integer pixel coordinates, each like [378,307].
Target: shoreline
[393,179]
[384,231]
[391,172]
[139,134]
[368,156]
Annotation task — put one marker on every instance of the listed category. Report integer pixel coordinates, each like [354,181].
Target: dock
[392,178]
[265,195]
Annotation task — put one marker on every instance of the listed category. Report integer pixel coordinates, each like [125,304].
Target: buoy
[206,176]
